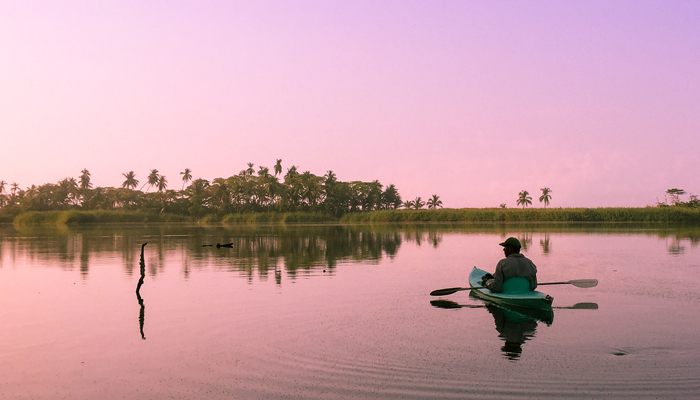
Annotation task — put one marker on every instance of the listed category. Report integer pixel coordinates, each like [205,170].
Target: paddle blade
[585,306]
[445,292]
[444,304]
[584,283]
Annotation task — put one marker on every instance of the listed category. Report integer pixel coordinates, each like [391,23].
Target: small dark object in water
[224,245]
[207,245]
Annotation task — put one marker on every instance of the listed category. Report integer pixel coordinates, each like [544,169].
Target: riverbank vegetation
[466,215]
[645,214]
[254,197]
[249,192]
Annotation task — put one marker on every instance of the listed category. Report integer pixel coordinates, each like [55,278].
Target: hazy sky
[470,100]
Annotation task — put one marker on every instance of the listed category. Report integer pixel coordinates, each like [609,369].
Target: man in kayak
[514,265]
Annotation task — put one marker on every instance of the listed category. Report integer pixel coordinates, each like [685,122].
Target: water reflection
[515,325]
[267,250]
[142,311]
[675,247]
[544,242]
[514,328]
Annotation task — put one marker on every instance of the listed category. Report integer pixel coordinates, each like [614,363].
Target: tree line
[248,191]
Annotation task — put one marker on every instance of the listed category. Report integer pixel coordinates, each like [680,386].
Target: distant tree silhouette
[434,202]
[85,179]
[524,199]
[546,196]
[186,177]
[131,181]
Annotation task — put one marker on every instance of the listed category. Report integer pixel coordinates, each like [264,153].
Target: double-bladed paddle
[451,304]
[582,283]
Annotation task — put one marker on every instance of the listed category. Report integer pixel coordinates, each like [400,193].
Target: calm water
[343,312]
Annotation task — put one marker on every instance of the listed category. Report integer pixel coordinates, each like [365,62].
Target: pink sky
[473,101]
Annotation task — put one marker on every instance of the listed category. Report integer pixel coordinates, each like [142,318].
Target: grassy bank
[279,218]
[75,217]
[510,215]
[91,217]
[646,214]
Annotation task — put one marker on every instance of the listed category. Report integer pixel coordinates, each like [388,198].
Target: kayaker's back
[516,285]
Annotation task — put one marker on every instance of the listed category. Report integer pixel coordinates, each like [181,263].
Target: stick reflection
[142,312]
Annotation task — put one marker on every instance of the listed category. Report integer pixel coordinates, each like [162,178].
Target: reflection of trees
[422,233]
[545,243]
[302,249]
[675,247]
[525,239]
[260,250]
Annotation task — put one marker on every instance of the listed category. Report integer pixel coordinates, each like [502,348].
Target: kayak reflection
[514,328]
[515,325]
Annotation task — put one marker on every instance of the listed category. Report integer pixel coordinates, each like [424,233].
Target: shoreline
[654,215]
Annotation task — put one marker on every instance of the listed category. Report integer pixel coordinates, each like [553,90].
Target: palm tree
[546,196]
[85,179]
[15,187]
[130,181]
[434,202]
[186,177]
[162,183]
[408,204]
[292,171]
[278,167]
[153,178]
[250,171]
[2,198]
[524,199]
[418,203]
[503,205]
[391,198]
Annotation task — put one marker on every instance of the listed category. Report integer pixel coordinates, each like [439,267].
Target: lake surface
[333,312]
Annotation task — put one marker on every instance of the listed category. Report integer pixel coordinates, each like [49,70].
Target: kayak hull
[525,299]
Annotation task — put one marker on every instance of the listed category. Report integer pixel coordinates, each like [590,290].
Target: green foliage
[248,192]
[75,217]
[434,202]
[546,196]
[676,199]
[646,214]
[299,217]
[524,198]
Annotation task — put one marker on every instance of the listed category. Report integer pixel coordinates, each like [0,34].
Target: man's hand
[485,279]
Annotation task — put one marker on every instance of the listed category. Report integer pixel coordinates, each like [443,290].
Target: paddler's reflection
[514,328]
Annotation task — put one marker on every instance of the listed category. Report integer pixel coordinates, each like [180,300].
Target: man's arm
[496,284]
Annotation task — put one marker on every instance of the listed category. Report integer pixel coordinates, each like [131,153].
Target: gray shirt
[515,265]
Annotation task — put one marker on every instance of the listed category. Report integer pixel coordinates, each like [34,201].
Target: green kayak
[515,293]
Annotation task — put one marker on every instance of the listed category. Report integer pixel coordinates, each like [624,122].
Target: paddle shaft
[451,304]
[582,283]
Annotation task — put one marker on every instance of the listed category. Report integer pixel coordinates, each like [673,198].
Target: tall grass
[646,214]
[278,218]
[75,217]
